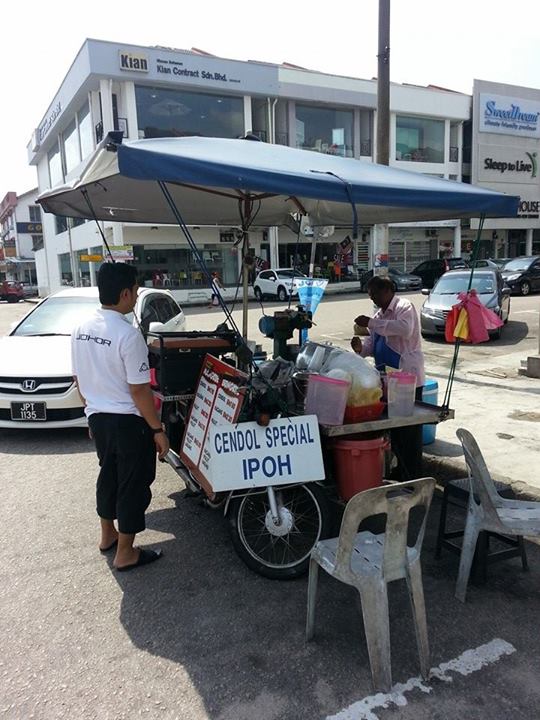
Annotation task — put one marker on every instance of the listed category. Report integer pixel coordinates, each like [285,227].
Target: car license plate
[28,411]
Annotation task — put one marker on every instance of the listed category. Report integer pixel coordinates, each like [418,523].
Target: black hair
[112,279]
[380,282]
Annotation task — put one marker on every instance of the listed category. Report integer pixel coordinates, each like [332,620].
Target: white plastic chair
[368,562]
[487,510]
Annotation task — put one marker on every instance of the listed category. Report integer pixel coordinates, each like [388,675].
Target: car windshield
[394,271]
[453,284]
[57,316]
[518,264]
[289,273]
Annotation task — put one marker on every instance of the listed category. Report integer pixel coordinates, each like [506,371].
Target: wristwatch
[157,431]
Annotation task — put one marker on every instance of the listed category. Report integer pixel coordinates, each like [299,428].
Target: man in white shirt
[395,341]
[110,366]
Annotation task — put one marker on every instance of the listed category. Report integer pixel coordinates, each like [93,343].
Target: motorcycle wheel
[280,552]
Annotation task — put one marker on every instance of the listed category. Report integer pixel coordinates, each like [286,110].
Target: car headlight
[429,312]
[510,278]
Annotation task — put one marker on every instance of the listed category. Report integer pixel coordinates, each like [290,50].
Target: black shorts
[127,457]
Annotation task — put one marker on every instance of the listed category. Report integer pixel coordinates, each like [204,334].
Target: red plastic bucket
[358,465]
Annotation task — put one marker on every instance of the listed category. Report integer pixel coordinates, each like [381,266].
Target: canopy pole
[245,284]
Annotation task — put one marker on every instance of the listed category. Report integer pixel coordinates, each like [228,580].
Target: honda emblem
[28,385]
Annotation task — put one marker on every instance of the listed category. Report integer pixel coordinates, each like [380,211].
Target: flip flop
[112,546]
[145,558]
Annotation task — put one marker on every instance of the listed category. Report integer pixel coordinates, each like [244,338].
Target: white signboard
[509,116]
[248,455]
[504,164]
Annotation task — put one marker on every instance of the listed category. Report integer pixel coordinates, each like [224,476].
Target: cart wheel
[280,552]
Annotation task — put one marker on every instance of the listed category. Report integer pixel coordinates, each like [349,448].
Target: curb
[444,469]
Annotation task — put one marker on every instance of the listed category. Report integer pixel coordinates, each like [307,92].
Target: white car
[280,283]
[36,384]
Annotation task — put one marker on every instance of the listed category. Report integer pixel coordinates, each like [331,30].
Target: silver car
[489,285]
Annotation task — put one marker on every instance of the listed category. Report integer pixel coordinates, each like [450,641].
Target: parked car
[500,262]
[11,291]
[431,270]
[489,285]
[486,263]
[281,283]
[522,274]
[36,384]
[400,280]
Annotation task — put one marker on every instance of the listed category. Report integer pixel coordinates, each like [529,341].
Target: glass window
[58,315]
[85,131]
[176,113]
[60,224]
[35,213]
[326,130]
[56,175]
[72,152]
[419,139]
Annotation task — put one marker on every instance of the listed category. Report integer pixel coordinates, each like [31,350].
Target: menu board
[218,400]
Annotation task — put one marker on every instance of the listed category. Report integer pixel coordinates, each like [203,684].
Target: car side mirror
[425,291]
[156,327]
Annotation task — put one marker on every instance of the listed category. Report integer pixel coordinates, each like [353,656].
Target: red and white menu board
[218,400]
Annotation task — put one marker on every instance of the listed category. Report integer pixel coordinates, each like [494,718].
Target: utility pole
[380,232]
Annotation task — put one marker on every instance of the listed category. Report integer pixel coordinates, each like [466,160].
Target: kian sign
[248,455]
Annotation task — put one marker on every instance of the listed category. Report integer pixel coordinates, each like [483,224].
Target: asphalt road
[198,635]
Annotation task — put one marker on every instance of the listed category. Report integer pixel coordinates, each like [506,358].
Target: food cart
[265,469]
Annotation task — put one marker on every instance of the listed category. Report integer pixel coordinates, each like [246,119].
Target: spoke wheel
[282,294]
[280,551]
[525,287]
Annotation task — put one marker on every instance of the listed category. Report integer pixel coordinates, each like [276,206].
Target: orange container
[360,413]
[358,465]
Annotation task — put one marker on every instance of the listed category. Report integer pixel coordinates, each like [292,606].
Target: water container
[429,395]
[401,392]
[327,397]
[358,465]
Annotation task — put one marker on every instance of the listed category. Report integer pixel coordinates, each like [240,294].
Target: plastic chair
[487,510]
[368,562]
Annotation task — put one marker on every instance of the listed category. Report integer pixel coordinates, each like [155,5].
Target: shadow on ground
[241,637]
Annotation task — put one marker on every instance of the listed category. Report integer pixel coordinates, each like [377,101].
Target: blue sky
[446,44]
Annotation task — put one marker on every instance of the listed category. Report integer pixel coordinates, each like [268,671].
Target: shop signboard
[247,455]
[121,253]
[506,164]
[509,115]
[218,400]
[91,258]
[30,228]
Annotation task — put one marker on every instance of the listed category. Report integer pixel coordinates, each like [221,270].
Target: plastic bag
[366,381]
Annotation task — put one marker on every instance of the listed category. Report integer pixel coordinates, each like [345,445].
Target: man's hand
[162,444]
[356,344]
[362,320]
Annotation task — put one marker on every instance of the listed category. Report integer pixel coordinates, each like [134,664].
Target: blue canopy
[207,177]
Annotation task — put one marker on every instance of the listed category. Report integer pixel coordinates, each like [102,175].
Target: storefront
[506,151]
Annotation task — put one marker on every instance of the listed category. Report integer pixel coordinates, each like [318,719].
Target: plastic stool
[456,492]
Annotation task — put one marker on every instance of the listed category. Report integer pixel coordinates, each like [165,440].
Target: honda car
[36,383]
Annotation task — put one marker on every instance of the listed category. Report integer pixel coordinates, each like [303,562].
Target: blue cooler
[429,395]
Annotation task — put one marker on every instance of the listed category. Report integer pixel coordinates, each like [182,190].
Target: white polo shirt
[108,354]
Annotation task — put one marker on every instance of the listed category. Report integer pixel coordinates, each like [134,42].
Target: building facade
[154,92]
[21,236]
[505,150]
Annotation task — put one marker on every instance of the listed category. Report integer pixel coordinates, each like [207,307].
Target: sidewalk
[502,410]
[202,295]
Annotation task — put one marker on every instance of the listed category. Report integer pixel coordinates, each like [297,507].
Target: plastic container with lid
[327,397]
[401,394]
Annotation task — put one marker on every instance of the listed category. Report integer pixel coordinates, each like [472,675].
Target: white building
[20,236]
[155,91]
